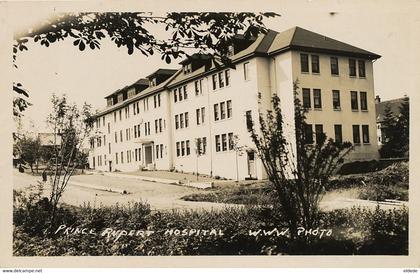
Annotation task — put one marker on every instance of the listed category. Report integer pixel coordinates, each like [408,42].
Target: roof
[163,71]
[296,38]
[145,93]
[393,104]
[141,81]
[302,39]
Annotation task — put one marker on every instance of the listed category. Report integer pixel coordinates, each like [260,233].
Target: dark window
[306,96]
[352,67]
[334,66]
[363,101]
[308,134]
[175,95]
[248,116]
[319,133]
[217,143]
[315,63]
[186,119]
[336,99]
[185,92]
[354,104]
[229,108]
[365,133]
[197,113]
[214,79]
[362,70]
[204,142]
[221,79]
[230,139]
[216,111]
[356,134]
[338,133]
[227,76]
[177,149]
[182,148]
[222,110]
[176,122]
[224,142]
[317,98]
[187,144]
[304,63]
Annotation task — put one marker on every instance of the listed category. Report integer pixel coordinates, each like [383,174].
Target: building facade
[196,119]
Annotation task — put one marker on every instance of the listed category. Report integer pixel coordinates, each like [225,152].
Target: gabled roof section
[393,104]
[140,82]
[302,39]
[163,71]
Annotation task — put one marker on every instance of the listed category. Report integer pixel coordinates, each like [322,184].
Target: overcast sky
[383,27]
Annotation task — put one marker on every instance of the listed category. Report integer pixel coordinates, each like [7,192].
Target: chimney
[377,99]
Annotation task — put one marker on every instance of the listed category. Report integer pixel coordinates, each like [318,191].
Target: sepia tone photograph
[196,133]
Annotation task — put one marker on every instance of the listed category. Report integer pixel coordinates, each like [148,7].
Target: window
[185,92]
[180,96]
[116,158]
[160,125]
[157,151]
[304,63]
[365,133]
[204,143]
[176,122]
[115,117]
[356,134]
[156,126]
[306,97]
[224,142]
[178,152]
[116,137]
[227,76]
[352,67]
[109,128]
[221,80]
[354,103]
[182,148]
[200,115]
[109,147]
[229,108]
[187,68]
[362,70]
[120,114]
[248,117]
[246,71]
[363,101]
[319,133]
[122,157]
[231,142]
[315,63]
[214,80]
[334,66]
[338,132]
[222,110]
[175,96]
[216,111]
[186,119]
[317,98]
[308,134]
[121,136]
[181,120]
[203,114]
[187,144]
[198,87]
[336,99]
[217,143]
[161,150]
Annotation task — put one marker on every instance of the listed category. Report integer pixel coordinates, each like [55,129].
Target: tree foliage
[298,171]
[204,32]
[28,149]
[396,131]
[71,126]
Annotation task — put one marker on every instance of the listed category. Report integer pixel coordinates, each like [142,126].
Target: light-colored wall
[328,116]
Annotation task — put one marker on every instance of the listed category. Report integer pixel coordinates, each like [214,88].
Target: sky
[387,28]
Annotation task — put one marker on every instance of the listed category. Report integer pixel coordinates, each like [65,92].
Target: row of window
[221,79]
[334,65]
[222,110]
[224,142]
[338,133]
[336,102]
[183,148]
[181,120]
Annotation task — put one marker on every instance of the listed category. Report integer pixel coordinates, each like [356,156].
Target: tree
[395,131]
[29,151]
[298,171]
[71,126]
[205,32]
[239,151]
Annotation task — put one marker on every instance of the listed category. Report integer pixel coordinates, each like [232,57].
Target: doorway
[148,155]
[251,165]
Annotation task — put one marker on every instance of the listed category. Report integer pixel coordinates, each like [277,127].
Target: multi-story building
[193,119]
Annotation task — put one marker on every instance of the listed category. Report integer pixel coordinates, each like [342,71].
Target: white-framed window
[246,71]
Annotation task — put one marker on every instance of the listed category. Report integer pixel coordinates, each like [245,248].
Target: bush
[355,231]
[357,167]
